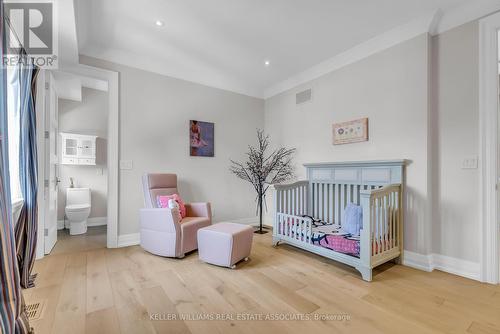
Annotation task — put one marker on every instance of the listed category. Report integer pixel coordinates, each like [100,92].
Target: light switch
[126,164]
[470,163]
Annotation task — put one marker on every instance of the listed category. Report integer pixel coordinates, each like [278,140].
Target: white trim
[97,221]
[214,79]
[434,23]
[417,261]
[40,144]
[464,268]
[126,240]
[245,221]
[91,222]
[379,43]
[488,148]
[469,11]
[113,141]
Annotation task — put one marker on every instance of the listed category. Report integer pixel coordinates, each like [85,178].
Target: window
[14,123]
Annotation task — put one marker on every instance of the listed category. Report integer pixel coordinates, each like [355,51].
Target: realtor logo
[31,25]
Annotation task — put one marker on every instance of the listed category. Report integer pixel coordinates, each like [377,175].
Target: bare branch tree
[262,169]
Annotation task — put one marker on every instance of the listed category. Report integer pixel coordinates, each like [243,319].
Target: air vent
[34,310]
[303,96]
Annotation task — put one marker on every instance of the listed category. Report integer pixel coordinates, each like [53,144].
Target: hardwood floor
[90,289]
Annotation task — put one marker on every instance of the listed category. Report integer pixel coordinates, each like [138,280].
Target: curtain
[13,317]
[26,227]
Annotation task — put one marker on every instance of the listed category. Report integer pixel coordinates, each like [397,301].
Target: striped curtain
[26,227]
[12,311]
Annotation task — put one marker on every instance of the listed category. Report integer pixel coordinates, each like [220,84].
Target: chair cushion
[189,229]
[162,202]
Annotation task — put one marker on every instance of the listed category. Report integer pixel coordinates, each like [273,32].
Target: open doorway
[83,170]
[78,160]
[489,110]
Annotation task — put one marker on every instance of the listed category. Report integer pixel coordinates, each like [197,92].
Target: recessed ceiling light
[267,63]
[160,23]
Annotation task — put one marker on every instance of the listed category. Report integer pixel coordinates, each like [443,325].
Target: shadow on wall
[187,190]
[101,152]
[415,222]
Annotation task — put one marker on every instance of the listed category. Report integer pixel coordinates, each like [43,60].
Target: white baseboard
[245,221]
[417,261]
[94,221]
[254,221]
[126,240]
[133,239]
[97,221]
[444,263]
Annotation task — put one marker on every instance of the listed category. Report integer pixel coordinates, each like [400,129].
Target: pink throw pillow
[163,202]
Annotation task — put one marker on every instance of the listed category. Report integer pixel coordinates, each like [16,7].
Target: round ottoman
[225,244]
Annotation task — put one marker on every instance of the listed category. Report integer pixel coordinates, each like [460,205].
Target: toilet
[77,209]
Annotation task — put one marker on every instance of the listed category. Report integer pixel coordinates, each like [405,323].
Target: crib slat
[386,223]
[379,218]
[330,203]
[349,194]
[372,226]
[393,217]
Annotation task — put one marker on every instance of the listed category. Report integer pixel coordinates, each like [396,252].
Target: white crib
[375,185]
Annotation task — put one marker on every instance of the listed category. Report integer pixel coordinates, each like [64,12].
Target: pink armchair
[162,233]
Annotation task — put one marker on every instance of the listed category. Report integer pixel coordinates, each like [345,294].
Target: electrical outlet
[470,162]
[126,164]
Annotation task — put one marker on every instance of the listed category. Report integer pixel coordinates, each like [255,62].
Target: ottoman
[225,244]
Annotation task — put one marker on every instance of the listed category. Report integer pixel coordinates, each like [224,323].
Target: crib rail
[292,199]
[294,228]
[381,238]
[382,224]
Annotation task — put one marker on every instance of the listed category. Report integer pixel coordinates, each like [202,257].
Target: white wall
[391,89]
[90,116]
[154,120]
[431,119]
[455,85]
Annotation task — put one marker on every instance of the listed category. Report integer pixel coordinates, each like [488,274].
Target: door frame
[488,148]
[111,78]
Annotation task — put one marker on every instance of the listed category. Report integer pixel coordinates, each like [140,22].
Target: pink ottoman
[225,244]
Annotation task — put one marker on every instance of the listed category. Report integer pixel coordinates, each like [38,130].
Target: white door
[52,165]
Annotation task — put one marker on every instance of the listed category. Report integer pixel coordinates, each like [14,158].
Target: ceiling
[224,43]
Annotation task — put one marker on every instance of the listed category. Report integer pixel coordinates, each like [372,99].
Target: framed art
[201,139]
[350,132]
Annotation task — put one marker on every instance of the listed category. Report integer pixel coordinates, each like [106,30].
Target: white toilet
[77,209]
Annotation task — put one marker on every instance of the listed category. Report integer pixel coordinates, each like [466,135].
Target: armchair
[162,233]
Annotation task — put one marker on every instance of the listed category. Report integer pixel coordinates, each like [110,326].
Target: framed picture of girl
[201,139]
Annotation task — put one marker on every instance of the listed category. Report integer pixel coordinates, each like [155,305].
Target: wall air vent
[304,96]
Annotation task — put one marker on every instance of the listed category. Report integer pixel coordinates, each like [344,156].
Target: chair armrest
[159,219]
[198,210]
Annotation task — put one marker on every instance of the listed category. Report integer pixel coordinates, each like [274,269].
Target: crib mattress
[332,237]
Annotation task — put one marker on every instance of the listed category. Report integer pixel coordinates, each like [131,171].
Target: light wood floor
[90,289]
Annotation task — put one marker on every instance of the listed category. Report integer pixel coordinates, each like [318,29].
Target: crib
[377,186]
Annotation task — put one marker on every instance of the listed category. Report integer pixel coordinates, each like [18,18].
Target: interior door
[52,165]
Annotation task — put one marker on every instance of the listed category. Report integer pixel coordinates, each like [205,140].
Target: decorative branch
[262,169]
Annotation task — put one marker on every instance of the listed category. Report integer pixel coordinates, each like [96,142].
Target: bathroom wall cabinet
[78,149]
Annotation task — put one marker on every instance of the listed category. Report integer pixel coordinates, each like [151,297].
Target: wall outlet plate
[126,164]
[470,162]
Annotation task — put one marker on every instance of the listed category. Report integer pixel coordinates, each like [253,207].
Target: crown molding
[434,23]
[210,78]
[470,11]
[370,47]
